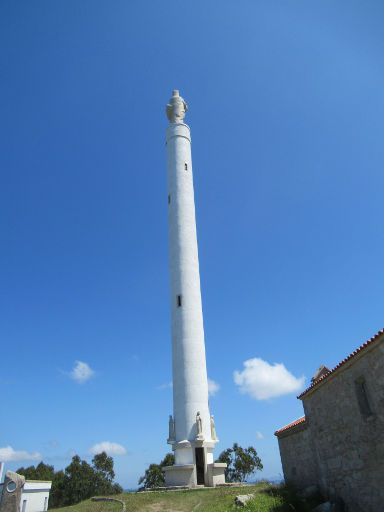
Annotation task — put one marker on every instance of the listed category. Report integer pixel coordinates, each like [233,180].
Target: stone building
[338,446]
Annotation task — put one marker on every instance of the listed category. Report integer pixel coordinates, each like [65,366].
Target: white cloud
[261,380]
[81,372]
[108,447]
[8,454]
[259,435]
[166,385]
[213,387]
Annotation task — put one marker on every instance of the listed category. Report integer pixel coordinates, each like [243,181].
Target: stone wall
[342,446]
[297,458]
[11,492]
[348,442]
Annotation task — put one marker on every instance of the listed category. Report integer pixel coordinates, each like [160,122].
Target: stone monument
[12,491]
[190,432]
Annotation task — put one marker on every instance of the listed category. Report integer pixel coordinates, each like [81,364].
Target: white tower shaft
[190,386]
[191,429]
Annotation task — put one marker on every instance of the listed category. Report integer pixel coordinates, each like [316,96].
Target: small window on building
[186,166]
[169,198]
[179,301]
[363,397]
[45,504]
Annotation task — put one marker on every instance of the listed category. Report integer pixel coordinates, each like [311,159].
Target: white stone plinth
[216,473]
[180,475]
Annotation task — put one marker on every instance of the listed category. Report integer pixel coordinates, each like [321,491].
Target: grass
[281,499]
[268,498]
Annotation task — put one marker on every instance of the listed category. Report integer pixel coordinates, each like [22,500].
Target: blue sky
[286,109]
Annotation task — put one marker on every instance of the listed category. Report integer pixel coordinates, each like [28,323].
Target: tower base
[180,475]
[186,475]
[194,465]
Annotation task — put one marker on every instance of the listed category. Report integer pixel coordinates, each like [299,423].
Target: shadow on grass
[287,500]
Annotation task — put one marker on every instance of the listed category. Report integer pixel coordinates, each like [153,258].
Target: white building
[192,432]
[35,496]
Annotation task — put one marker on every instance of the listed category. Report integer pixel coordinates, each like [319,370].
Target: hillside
[268,498]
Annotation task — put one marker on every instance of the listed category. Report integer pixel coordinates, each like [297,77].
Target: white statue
[213,429]
[199,426]
[176,108]
[171,426]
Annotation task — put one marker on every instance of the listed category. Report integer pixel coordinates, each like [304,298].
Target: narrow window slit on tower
[169,198]
[186,166]
[179,301]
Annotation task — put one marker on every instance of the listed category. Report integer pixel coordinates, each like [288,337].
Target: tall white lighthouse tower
[191,427]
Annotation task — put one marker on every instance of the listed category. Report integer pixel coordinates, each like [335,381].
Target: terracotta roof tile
[348,358]
[290,425]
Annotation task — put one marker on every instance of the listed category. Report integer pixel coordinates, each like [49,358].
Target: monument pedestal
[194,465]
[185,475]
[180,475]
[216,473]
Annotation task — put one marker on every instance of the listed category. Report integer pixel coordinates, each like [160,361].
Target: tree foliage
[104,475]
[103,465]
[154,476]
[78,481]
[40,472]
[241,462]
